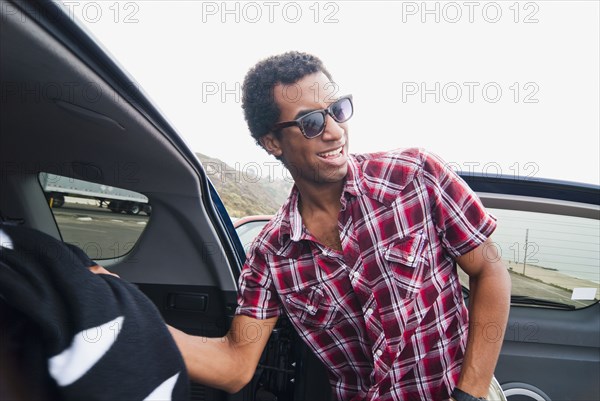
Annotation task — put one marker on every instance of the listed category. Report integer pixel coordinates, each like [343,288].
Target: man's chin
[333,174]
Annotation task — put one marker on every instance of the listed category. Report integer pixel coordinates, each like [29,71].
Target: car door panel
[550,352]
[547,343]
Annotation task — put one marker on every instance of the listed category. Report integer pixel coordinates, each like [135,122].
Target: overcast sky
[502,87]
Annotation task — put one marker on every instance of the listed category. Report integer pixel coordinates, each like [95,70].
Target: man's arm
[489,303]
[227,363]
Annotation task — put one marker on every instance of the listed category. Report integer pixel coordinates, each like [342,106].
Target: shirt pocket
[407,260]
[313,308]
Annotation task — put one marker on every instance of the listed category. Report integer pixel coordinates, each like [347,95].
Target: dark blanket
[99,337]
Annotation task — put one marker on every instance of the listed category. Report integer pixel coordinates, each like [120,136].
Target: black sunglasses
[313,124]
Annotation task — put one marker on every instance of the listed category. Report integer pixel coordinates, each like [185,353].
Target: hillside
[245,192]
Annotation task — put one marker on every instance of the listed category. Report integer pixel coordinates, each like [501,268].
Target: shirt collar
[363,178]
[296,229]
[354,185]
[291,224]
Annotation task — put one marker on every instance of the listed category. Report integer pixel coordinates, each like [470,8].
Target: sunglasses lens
[313,124]
[342,110]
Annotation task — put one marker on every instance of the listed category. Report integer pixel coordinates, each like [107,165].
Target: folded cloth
[101,337]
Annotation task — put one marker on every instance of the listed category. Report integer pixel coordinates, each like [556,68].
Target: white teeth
[332,153]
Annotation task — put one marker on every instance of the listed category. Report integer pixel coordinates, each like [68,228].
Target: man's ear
[271,144]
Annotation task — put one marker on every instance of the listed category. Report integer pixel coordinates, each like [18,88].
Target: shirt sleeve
[461,220]
[257,296]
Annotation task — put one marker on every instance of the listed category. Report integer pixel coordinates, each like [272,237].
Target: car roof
[533,186]
[248,219]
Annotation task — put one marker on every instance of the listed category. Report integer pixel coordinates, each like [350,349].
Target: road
[101,233]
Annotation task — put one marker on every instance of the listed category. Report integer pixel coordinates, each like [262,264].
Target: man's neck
[320,207]
[318,199]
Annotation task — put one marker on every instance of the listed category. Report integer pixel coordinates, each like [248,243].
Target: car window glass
[104,221]
[247,232]
[550,257]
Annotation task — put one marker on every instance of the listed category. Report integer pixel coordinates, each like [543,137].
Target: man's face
[313,161]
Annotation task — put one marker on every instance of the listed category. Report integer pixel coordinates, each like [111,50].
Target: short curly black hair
[260,110]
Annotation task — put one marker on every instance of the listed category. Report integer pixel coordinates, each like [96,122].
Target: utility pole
[526,244]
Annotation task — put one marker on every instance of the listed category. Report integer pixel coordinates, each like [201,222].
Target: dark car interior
[68,109]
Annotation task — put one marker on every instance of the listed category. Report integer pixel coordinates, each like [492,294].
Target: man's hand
[97,269]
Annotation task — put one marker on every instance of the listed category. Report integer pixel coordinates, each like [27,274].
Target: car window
[248,231]
[550,257]
[104,221]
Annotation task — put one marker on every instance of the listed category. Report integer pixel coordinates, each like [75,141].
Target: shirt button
[411,258]
[356,274]
[379,353]
[310,308]
[369,311]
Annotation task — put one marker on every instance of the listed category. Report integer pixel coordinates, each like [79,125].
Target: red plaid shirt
[386,315]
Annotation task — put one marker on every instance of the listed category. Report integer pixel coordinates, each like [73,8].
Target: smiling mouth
[331,154]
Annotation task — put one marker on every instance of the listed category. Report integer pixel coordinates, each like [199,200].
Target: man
[361,257]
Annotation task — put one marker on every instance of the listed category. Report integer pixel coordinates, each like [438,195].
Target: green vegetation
[245,192]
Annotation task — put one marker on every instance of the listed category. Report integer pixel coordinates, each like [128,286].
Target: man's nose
[333,131]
